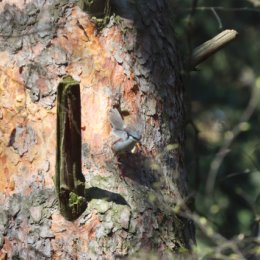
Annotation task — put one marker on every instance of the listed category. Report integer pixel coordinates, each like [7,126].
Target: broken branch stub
[211,46]
[69,180]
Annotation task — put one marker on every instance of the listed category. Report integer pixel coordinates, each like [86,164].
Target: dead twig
[210,47]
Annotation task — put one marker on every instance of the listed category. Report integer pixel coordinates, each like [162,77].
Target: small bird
[126,136]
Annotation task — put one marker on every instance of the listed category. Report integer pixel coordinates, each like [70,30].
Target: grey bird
[126,136]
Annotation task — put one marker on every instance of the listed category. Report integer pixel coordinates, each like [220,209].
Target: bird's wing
[116,119]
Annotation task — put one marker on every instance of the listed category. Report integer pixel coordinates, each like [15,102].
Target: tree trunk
[127,63]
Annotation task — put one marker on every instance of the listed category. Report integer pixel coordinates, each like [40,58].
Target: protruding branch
[210,47]
[69,180]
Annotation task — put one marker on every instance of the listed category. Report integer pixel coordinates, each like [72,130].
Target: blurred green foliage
[220,91]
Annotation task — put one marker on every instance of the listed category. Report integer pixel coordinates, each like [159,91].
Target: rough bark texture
[131,64]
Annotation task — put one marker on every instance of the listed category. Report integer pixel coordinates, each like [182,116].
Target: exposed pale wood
[211,46]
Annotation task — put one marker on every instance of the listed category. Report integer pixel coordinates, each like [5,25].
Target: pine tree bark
[129,63]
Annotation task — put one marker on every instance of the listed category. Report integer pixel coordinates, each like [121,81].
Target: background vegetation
[223,144]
